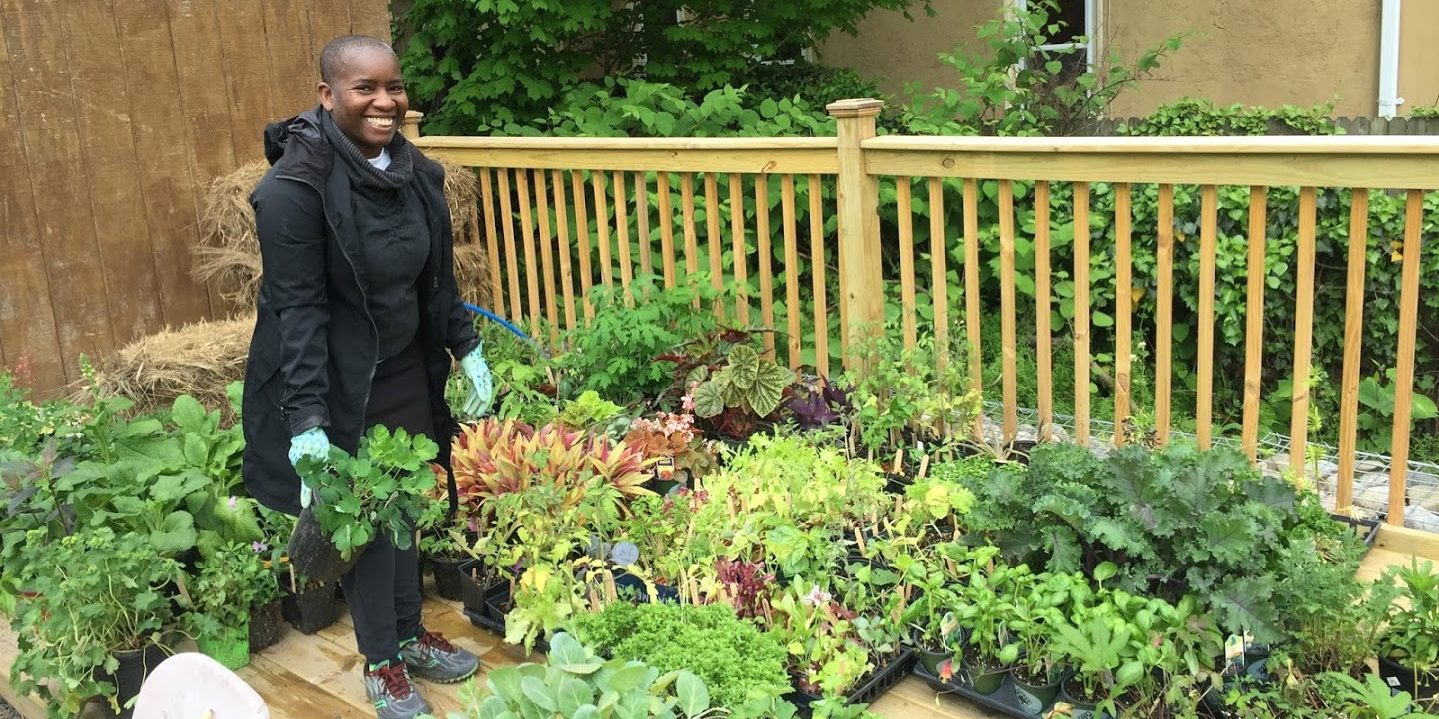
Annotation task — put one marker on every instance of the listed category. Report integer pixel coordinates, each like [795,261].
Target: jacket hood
[299,142]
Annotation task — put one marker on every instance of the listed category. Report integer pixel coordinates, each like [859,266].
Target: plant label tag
[665,469]
[1233,655]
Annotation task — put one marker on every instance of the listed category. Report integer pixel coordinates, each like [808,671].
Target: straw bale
[199,359]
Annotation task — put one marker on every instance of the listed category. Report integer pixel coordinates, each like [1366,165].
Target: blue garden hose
[506,324]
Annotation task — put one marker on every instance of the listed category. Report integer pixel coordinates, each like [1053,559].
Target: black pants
[383,588]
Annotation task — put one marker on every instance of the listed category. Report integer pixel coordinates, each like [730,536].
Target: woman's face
[368,98]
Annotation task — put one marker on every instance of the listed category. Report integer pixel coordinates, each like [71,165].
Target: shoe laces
[434,641]
[396,679]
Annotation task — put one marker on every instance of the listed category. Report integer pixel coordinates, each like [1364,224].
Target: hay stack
[228,256]
[198,359]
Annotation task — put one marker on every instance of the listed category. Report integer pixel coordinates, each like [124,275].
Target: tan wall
[1257,52]
[1419,54]
[895,51]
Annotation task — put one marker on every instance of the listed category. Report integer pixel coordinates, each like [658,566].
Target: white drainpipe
[1389,99]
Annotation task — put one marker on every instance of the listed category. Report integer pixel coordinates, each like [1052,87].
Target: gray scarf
[364,174]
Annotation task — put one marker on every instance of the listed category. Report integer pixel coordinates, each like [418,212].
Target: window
[1073,44]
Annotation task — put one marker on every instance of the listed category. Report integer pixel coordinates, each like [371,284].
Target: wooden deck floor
[318,676]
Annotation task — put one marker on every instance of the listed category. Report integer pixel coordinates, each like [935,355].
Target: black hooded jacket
[313,353]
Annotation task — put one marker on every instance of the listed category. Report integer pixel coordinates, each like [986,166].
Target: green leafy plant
[616,353]
[384,487]
[231,582]
[88,596]
[745,381]
[1412,637]
[575,683]
[589,411]
[737,661]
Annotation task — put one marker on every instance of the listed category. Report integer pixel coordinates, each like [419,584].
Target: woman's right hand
[313,443]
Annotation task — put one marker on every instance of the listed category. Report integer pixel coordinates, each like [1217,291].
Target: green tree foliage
[471,62]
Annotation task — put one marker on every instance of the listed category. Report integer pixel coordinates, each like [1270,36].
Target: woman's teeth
[383,123]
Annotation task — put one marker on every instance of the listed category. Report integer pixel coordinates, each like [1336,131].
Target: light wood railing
[620,193]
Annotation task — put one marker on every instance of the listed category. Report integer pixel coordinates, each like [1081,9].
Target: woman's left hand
[482,382]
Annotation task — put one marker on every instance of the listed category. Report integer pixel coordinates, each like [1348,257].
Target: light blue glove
[482,382]
[314,443]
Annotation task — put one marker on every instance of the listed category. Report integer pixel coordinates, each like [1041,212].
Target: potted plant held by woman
[384,487]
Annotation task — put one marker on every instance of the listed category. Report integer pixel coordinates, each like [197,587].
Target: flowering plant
[672,436]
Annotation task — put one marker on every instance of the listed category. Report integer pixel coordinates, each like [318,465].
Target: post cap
[856,107]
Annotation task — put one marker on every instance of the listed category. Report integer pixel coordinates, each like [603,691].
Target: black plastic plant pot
[312,609]
[636,586]
[927,655]
[1420,685]
[135,666]
[1034,699]
[1078,708]
[446,571]
[266,625]
[883,678]
[987,680]
[313,555]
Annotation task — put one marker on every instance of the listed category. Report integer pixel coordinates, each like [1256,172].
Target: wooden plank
[287,36]
[28,326]
[582,233]
[547,255]
[791,270]
[562,228]
[971,291]
[1405,541]
[512,257]
[939,281]
[1081,313]
[622,226]
[200,61]
[667,228]
[715,242]
[1254,320]
[1353,338]
[287,694]
[370,17]
[51,141]
[1404,369]
[1043,334]
[726,155]
[247,78]
[687,210]
[602,228]
[329,19]
[908,311]
[169,186]
[1303,330]
[492,245]
[642,203]
[765,258]
[1008,372]
[1164,328]
[1204,399]
[107,151]
[820,270]
[741,261]
[1124,304]
[27,706]
[527,230]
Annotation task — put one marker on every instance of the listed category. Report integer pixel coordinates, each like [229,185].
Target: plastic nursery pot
[446,571]
[266,625]
[1077,708]
[1420,685]
[135,666]
[310,609]
[985,679]
[313,555]
[478,584]
[230,646]
[636,586]
[930,657]
[1032,699]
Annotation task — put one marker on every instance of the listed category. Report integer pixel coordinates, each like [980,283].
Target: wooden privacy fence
[556,196]
[118,112]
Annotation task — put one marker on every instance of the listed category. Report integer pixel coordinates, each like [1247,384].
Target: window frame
[1090,34]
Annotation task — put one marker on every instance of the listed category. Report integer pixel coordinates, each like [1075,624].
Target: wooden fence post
[411,128]
[858,214]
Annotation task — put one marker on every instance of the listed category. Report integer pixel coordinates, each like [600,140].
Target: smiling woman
[358,321]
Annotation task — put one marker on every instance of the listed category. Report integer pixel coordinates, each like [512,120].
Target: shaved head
[336,54]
